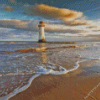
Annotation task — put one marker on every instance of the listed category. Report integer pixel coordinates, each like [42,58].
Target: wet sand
[76,85]
[41,49]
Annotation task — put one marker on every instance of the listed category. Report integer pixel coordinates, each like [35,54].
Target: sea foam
[24,62]
[41,71]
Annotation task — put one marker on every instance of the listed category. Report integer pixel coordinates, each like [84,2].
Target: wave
[41,71]
[17,90]
[44,71]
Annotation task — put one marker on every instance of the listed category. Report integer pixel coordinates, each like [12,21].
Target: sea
[21,62]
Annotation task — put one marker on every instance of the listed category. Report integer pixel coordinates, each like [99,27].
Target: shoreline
[56,79]
[23,88]
[18,90]
[43,84]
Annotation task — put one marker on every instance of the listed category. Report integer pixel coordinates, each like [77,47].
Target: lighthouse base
[42,41]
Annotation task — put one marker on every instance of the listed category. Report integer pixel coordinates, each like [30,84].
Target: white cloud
[33,26]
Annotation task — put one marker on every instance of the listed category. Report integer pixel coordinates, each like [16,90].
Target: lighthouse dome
[41,22]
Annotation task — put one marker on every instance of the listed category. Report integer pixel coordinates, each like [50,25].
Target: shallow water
[16,67]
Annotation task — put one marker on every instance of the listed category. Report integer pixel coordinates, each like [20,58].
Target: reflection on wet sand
[40,49]
[43,55]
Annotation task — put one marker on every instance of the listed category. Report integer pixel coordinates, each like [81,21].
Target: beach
[61,88]
[71,86]
[45,71]
[50,50]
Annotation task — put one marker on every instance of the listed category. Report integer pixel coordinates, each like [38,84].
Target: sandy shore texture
[76,85]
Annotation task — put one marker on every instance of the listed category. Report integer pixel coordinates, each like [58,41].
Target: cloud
[68,17]
[62,29]
[92,27]
[7,34]
[8,8]
[33,26]
[50,12]
[18,24]
[77,22]
[96,30]
[12,1]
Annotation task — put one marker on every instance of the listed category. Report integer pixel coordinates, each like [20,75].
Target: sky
[19,18]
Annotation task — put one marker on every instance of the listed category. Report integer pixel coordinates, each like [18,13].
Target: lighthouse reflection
[43,55]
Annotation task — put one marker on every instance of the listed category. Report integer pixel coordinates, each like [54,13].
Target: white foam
[64,71]
[50,70]
[61,69]
[41,71]
[17,90]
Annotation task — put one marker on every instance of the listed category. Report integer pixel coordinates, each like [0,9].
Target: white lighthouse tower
[41,32]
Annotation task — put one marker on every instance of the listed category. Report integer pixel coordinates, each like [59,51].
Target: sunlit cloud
[50,12]
[8,8]
[67,16]
[12,1]
[77,22]
[92,27]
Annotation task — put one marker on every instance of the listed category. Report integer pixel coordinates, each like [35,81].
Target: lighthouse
[41,32]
